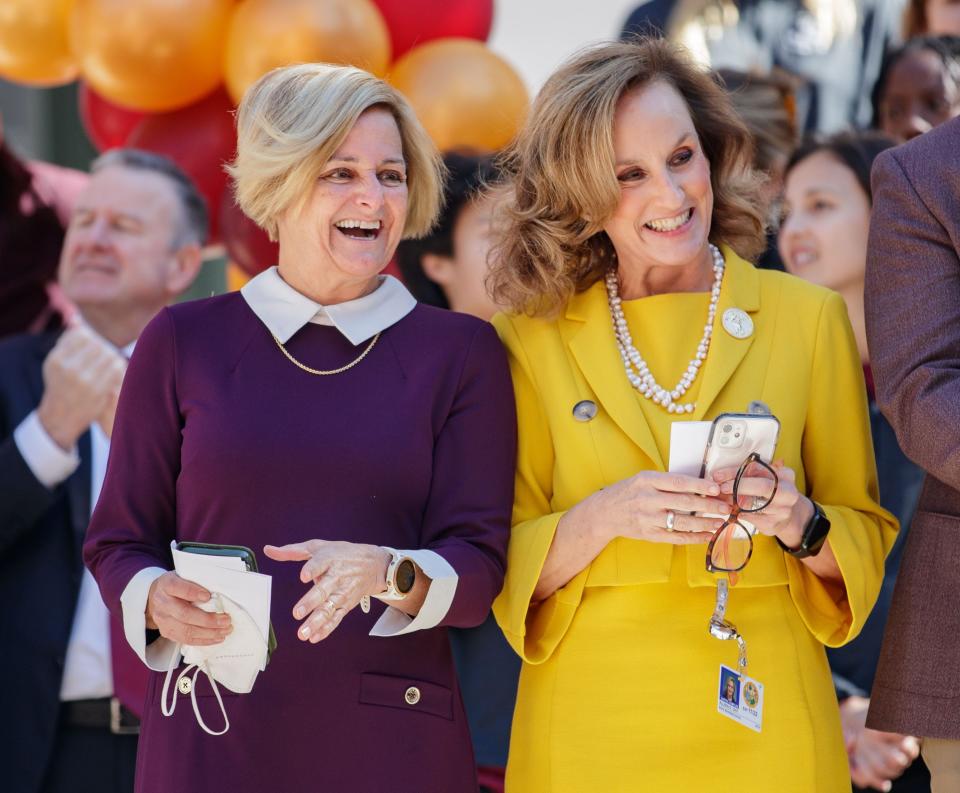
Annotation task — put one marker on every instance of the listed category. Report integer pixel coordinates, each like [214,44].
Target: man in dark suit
[913,328]
[73,688]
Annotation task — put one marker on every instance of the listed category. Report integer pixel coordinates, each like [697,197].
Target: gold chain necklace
[306,368]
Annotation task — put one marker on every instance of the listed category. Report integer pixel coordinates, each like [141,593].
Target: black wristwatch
[814,535]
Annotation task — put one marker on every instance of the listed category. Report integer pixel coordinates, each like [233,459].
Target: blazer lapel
[741,289]
[78,490]
[589,334]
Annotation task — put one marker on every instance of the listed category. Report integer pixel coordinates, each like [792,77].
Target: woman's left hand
[341,572]
[785,516]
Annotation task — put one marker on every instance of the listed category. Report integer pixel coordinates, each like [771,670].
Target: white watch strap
[391,592]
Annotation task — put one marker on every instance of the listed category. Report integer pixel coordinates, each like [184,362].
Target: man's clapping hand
[81,378]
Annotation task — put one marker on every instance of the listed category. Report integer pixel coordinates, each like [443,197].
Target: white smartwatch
[401,576]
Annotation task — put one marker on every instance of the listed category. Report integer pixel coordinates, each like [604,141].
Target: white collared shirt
[284,311]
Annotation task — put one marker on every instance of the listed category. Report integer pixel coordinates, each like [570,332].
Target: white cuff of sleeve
[155,655]
[443,586]
[48,462]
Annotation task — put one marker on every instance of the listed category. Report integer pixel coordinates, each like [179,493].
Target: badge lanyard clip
[721,628]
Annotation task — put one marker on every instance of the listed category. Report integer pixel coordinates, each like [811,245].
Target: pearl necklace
[638,373]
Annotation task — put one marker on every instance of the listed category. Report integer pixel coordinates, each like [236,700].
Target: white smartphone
[734,436]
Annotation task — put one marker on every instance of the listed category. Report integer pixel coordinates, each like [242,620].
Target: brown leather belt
[103,714]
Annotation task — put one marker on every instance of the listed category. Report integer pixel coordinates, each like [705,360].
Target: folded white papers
[228,575]
[688,442]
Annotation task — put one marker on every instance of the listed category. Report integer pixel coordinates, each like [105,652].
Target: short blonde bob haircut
[561,186]
[292,120]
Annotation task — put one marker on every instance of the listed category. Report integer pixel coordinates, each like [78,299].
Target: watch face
[405,576]
[816,533]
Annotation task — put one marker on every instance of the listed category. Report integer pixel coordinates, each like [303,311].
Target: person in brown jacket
[913,332]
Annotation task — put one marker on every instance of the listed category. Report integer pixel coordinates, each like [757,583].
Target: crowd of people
[500,579]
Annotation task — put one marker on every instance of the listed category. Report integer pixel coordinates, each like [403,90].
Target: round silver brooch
[737,323]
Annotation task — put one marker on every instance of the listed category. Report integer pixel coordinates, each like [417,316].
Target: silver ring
[757,503]
[330,607]
[671,519]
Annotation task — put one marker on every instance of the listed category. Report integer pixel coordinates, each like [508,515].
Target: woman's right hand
[638,508]
[170,610]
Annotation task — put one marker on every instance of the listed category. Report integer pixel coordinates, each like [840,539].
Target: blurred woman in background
[823,239]
[918,87]
[448,267]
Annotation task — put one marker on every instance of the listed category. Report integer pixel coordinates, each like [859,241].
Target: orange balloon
[465,96]
[151,55]
[34,46]
[236,277]
[265,34]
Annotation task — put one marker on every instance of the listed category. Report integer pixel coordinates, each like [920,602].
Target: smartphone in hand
[734,436]
[207,549]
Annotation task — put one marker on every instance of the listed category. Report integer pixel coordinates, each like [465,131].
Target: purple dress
[219,438]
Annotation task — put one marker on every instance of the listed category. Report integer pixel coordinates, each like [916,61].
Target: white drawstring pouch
[234,663]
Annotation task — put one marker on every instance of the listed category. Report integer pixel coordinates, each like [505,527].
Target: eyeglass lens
[732,546]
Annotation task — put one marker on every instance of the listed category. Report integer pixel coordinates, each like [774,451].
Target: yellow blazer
[801,360]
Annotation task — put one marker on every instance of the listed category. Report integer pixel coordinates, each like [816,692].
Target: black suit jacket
[41,532]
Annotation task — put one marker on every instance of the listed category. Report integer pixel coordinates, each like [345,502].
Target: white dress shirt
[87,669]
[284,311]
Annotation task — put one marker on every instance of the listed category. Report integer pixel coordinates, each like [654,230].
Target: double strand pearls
[638,373]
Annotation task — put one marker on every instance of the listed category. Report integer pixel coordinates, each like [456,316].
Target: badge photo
[740,698]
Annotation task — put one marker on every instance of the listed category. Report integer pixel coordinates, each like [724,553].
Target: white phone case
[733,436]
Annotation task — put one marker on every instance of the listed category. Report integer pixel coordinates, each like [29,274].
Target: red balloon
[248,246]
[413,22]
[200,138]
[106,124]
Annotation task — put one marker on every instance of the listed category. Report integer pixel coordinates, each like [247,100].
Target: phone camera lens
[727,427]
[724,440]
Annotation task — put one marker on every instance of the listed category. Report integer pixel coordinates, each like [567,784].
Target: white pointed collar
[284,310]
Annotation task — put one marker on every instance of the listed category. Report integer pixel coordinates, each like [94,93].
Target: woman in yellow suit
[630,200]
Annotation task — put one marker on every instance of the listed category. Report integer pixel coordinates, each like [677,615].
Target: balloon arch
[165,75]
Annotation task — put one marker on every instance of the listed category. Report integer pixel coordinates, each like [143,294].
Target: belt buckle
[117,727]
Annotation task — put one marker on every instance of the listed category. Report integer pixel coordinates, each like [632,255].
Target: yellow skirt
[628,700]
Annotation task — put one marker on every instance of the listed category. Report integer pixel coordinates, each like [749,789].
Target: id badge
[740,698]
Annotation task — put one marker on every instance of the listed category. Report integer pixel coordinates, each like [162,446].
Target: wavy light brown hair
[560,186]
